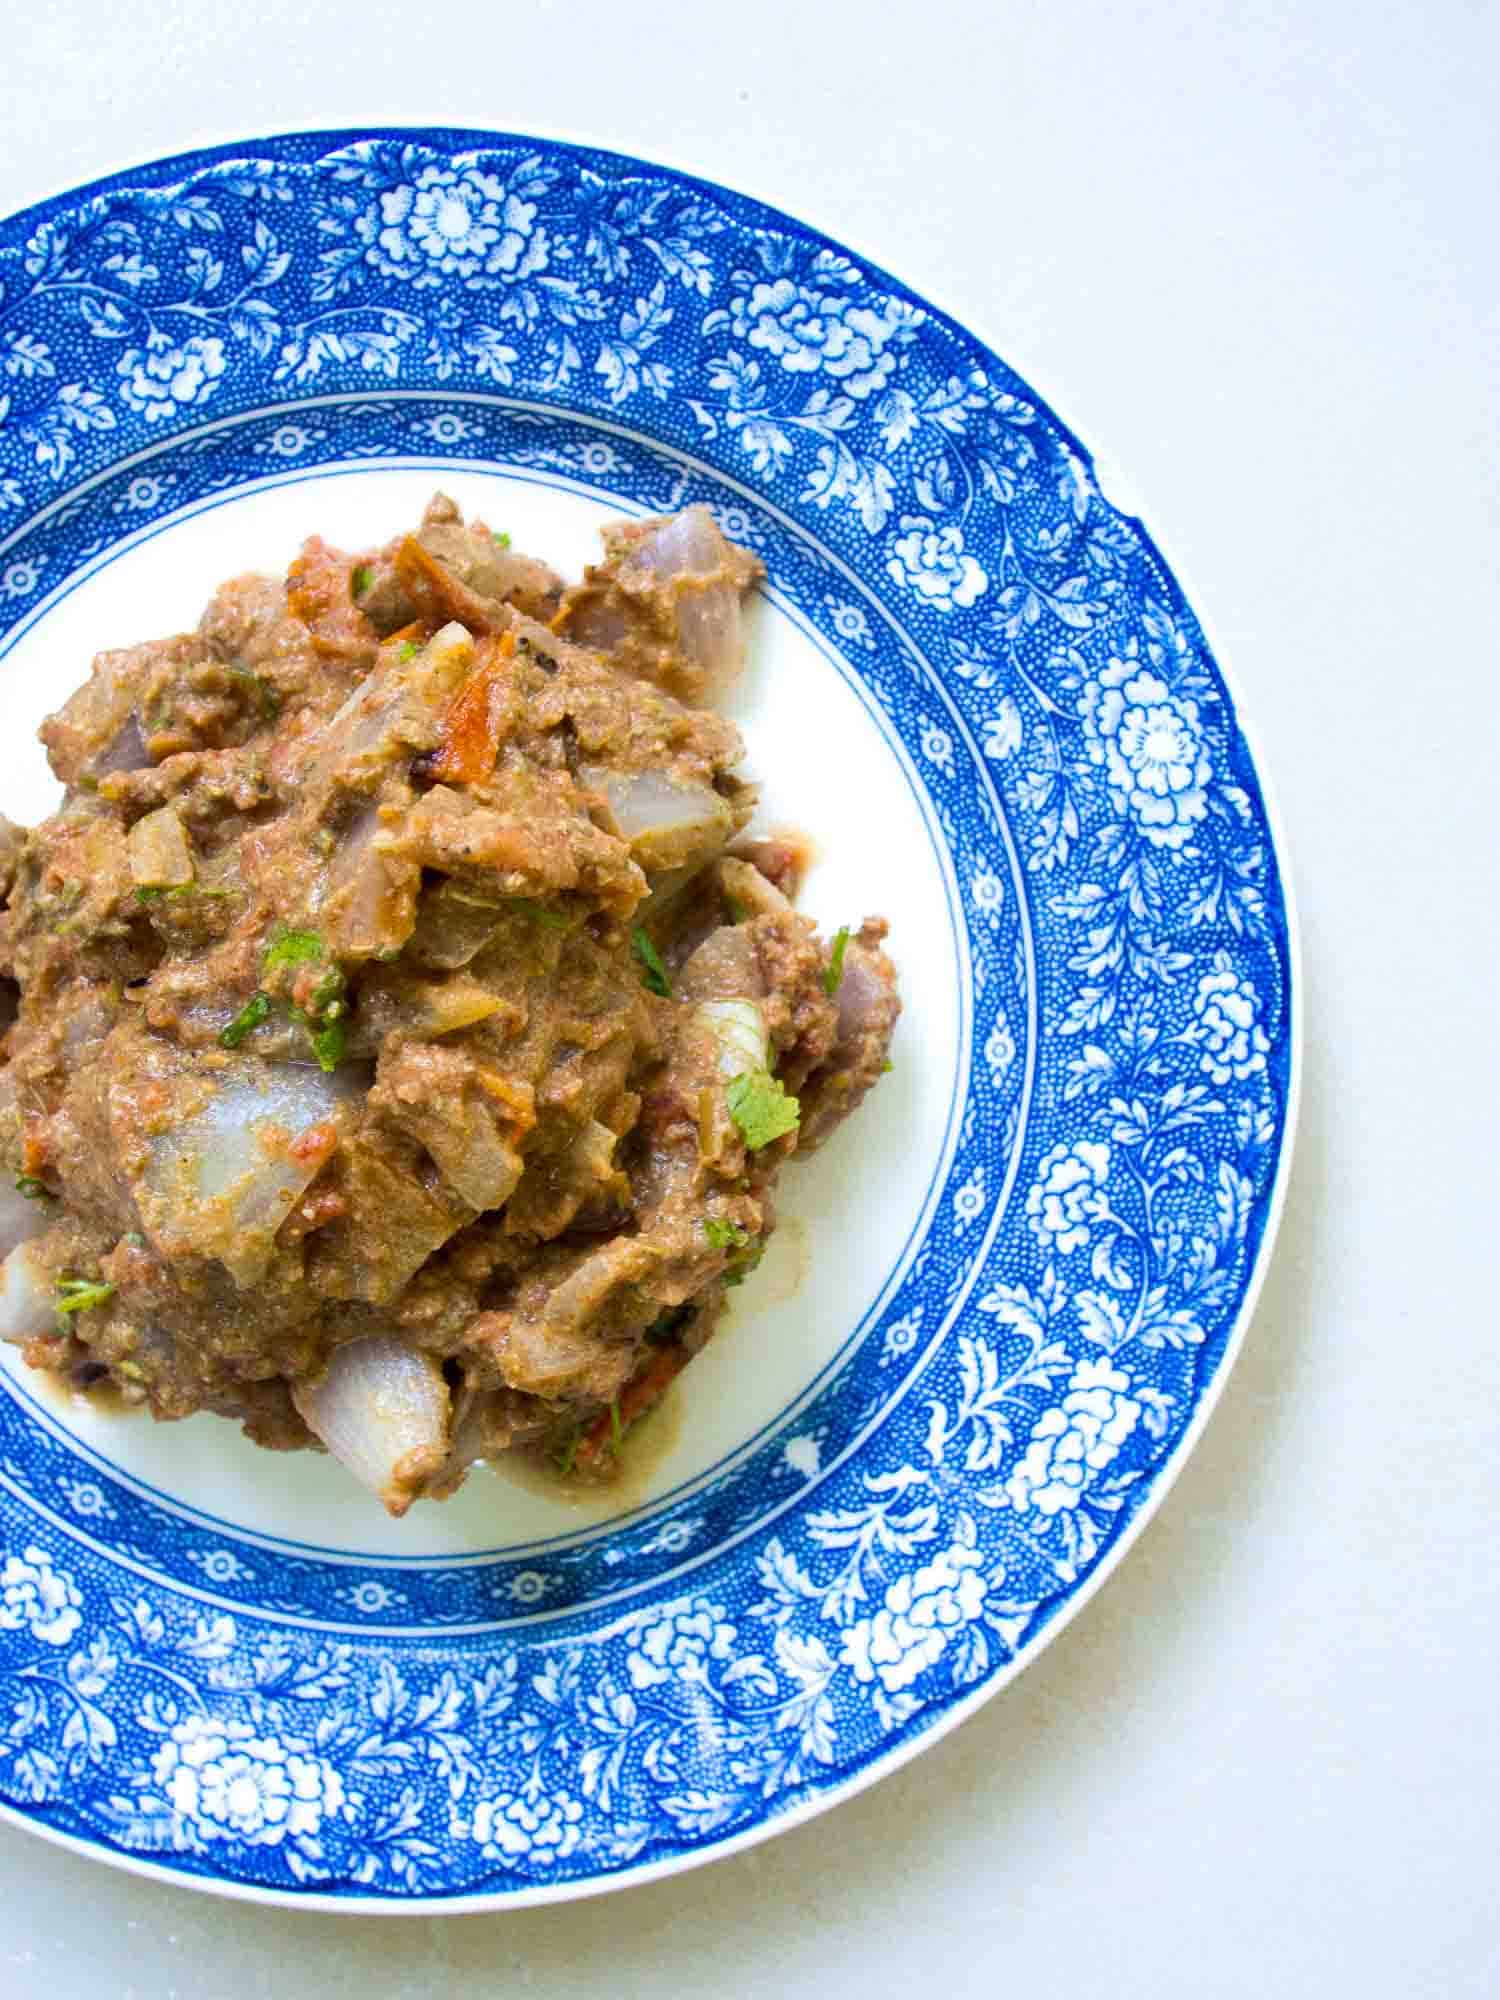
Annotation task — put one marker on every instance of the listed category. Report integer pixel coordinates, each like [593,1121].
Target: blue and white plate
[1002,1300]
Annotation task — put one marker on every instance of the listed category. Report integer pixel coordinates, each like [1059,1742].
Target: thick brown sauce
[62,1397]
[648,1444]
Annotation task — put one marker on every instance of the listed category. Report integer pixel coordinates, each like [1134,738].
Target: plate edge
[195,159]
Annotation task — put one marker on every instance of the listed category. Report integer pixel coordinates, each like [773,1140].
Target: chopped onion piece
[126,753]
[21,1218]
[393,711]
[710,630]
[649,802]
[861,995]
[27,1302]
[452,925]
[668,824]
[475,1159]
[222,1182]
[739,1029]
[752,894]
[689,544]
[367,905]
[601,626]
[159,853]
[382,1409]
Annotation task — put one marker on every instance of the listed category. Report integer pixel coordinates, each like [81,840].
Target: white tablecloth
[1249,253]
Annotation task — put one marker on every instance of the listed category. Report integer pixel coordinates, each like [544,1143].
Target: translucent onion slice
[20,1219]
[689,544]
[366,905]
[739,1029]
[28,1305]
[749,892]
[127,752]
[669,824]
[159,851]
[222,1181]
[382,1408]
[862,996]
[711,632]
[710,629]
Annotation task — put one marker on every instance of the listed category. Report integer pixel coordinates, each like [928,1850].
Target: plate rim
[167,168]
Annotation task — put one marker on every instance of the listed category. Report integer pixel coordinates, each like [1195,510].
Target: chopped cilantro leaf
[886,1067]
[361,580]
[539,913]
[267,700]
[567,1450]
[501,541]
[762,1108]
[737,1272]
[292,948]
[725,1235]
[77,1295]
[654,976]
[324,1018]
[328,1044]
[409,651]
[833,975]
[245,1022]
[32,1188]
[328,995]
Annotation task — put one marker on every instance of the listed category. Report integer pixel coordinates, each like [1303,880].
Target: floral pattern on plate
[532,1720]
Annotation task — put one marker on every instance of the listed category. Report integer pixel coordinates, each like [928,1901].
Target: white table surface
[1249,251]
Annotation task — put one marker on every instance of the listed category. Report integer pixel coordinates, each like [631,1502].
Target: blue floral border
[1026,642]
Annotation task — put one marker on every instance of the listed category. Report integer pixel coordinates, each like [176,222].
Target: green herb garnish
[833,974]
[155,892]
[361,579]
[761,1108]
[250,1016]
[32,1188]
[567,1451]
[267,700]
[77,1295]
[501,541]
[654,976]
[409,651]
[328,1043]
[725,1235]
[292,948]
[741,1268]
[328,995]
[730,1236]
[886,1067]
[324,1018]
[539,913]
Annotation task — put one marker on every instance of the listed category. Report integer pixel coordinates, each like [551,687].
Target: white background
[1249,252]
